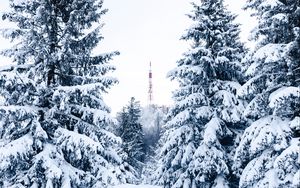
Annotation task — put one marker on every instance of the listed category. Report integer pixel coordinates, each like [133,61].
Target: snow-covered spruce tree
[268,154]
[131,132]
[206,118]
[54,125]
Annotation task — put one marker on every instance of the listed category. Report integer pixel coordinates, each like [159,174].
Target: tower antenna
[150,90]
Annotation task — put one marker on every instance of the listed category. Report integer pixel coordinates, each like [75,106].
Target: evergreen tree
[268,153]
[55,127]
[131,132]
[206,118]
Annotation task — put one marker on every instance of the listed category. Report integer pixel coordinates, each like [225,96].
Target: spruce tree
[131,132]
[268,154]
[55,126]
[202,126]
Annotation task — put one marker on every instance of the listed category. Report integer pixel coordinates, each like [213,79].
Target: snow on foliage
[55,126]
[295,124]
[287,163]
[269,3]
[269,53]
[266,143]
[19,148]
[266,155]
[285,101]
[135,186]
[199,127]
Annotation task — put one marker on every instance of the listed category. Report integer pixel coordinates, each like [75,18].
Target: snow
[220,182]
[8,32]
[84,88]
[87,87]
[270,52]
[249,88]
[266,132]
[263,139]
[72,141]
[56,167]
[100,116]
[179,119]
[268,135]
[18,2]
[187,70]
[280,17]
[212,129]
[296,180]
[204,112]
[188,154]
[252,69]
[269,3]
[12,76]
[20,147]
[286,163]
[177,158]
[227,98]
[135,186]
[283,93]
[51,165]
[6,67]
[208,159]
[255,140]
[274,93]
[295,123]
[251,175]
[193,99]
[196,50]
[231,85]
[222,59]
[2,100]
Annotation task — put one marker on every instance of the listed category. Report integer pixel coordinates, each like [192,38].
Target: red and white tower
[150,91]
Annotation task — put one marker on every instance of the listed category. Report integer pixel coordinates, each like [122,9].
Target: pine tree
[55,126]
[131,132]
[268,153]
[206,118]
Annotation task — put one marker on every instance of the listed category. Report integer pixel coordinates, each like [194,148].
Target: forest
[234,123]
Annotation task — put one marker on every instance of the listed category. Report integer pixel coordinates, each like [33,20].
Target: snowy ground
[135,186]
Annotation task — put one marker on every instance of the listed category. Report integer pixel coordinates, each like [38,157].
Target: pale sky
[144,31]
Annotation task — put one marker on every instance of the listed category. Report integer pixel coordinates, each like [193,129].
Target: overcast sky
[144,31]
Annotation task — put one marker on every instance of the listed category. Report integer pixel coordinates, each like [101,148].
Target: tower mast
[150,90]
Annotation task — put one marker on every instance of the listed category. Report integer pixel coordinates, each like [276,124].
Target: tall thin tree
[131,132]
